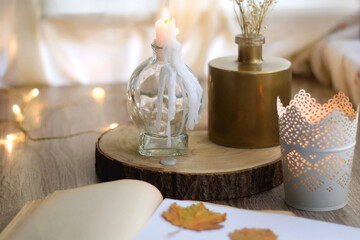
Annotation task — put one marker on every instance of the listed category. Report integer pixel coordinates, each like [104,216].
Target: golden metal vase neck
[250,49]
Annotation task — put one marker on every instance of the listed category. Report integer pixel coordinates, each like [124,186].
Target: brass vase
[242,96]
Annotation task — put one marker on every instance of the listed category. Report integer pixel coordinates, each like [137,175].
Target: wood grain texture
[34,169]
[207,172]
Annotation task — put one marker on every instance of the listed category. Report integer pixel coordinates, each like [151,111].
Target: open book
[131,209]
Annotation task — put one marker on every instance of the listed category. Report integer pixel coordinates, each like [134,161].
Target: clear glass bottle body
[144,106]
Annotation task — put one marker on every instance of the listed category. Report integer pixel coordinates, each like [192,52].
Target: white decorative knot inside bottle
[164,96]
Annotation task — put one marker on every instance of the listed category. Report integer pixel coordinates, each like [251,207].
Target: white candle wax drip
[179,73]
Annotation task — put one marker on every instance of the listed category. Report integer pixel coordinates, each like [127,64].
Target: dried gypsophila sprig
[251,15]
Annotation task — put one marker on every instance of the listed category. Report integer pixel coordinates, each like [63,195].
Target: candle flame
[165,15]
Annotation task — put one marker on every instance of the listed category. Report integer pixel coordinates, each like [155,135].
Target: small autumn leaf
[252,234]
[195,217]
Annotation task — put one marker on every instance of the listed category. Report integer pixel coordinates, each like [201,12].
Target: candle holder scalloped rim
[317,145]
[306,123]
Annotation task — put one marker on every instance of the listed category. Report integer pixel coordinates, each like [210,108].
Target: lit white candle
[175,71]
[165,30]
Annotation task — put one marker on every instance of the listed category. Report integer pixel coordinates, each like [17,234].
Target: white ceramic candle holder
[317,146]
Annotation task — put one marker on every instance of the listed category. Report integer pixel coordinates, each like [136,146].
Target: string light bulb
[113,125]
[11,139]
[9,144]
[31,95]
[98,93]
[19,117]
[16,109]
[16,137]
[35,92]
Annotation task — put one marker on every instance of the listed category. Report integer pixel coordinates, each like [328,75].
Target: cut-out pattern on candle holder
[296,164]
[330,166]
[317,146]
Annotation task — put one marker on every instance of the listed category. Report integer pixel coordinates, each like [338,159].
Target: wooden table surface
[32,169]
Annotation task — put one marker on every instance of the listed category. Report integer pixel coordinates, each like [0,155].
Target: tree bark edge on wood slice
[117,158]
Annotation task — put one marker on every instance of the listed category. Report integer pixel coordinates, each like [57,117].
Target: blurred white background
[62,42]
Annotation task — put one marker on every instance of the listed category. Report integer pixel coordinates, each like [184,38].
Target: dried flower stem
[252,14]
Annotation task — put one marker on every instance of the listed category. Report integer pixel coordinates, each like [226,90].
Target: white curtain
[62,42]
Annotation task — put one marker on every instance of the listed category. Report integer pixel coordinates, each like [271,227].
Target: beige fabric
[61,42]
[335,61]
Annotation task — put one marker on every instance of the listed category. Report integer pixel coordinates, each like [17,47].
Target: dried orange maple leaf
[252,234]
[195,217]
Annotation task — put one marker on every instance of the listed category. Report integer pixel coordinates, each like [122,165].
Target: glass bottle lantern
[161,102]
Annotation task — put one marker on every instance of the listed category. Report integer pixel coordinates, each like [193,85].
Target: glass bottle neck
[250,49]
[158,53]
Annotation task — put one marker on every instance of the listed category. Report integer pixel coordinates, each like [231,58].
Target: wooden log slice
[207,172]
